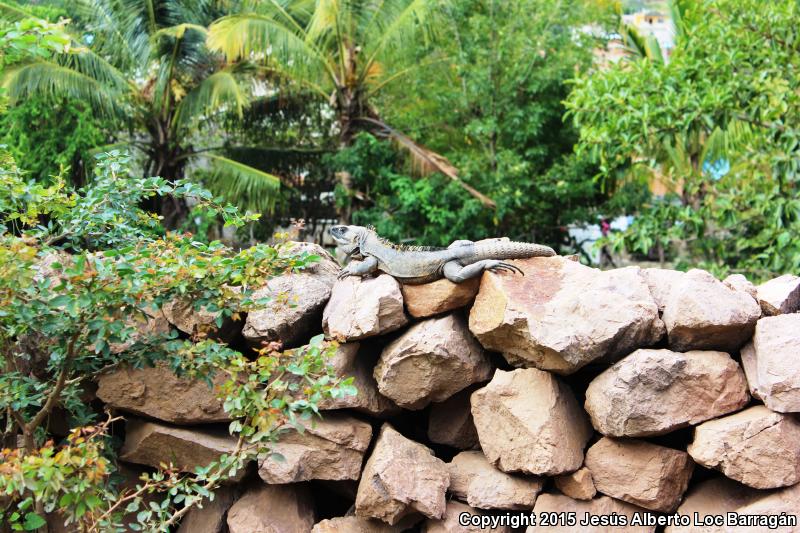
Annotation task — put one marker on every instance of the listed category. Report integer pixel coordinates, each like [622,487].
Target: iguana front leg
[360,269]
[457,273]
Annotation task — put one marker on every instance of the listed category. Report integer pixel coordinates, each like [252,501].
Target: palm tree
[343,52]
[144,64]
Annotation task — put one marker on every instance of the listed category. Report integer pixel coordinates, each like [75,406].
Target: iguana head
[349,238]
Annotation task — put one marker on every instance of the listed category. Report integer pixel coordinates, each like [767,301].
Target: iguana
[458,262]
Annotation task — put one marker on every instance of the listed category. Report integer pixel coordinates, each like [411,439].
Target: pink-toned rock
[473,479]
[209,516]
[603,506]
[740,283]
[401,477]
[529,421]
[644,474]
[660,282]
[450,422]
[717,496]
[296,302]
[771,362]
[563,315]
[272,509]
[453,523]
[348,362]
[430,362]
[773,503]
[757,447]
[578,484]
[331,448]
[438,297]
[353,524]
[364,307]
[702,313]
[156,392]
[654,392]
[780,296]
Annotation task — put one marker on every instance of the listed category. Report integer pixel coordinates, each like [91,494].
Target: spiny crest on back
[400,247]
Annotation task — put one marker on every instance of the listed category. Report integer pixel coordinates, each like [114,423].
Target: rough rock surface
[774,503]
[529,421]
[430,362]
[578,484]
[772,362]
[757,447]
[364,307]
[272,509]
[401,477]
[298,299]
[347,362]
[660,282]
[211,517]
[200,322]
[473,479]
[332,448]
[450,422]
[149,443]
[147,324]
[780,296]
[702,313]
[156,392]
[450,523]
[661,474]
[556,503]
[353,524]
[716,496]
[740,283]
[653,392]
[439,297]
[609,314]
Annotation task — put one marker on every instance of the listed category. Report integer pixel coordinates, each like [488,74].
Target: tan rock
[772,362]
[740,283]
[654,392]
[209,516]
[773,503]
[331,448]
[660,281]
[272,509]
[439,296]
[644,474]
[353,524]
[578,484]
[780,296]
[702,313]
[364,307]
[348,362]
[529,421]
[717,496]
[584,510]
[473,479]
[609,314]
[757,447]
[452,521]
[148,324]
[149,443]
[297,299]
[200,322]
[401,477]
[431,361]
[156,392]
[450,422]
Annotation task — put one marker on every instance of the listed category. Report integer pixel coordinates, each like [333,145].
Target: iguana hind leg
[360,269]
[457,273]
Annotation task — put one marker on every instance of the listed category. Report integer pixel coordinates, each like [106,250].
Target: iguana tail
[500,249]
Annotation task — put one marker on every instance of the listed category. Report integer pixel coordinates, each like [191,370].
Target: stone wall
[568,389]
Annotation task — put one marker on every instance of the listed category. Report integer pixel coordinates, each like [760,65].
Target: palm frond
[178,31]
[251,189]
[13,13]
[218,91]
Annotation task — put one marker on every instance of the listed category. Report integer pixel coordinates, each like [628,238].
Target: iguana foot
[457,273]
[501,266]
[359,268]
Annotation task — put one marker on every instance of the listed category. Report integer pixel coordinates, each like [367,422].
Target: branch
[31,426]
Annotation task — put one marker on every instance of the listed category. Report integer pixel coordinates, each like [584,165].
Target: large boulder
[156,392]
[474,480]
[450,422]
[364,307]
[209,516]
[529,421]
[331,448]
[438,297]
[757,447]
[348,362]
[272,509]
[455,520]
[353,524]
[614,513]
[297,299]
[578,484]
[654,392]
[430,362]
[771,362]
[563,315]
[641,473]
[702,313]
[780,296]
[401,477]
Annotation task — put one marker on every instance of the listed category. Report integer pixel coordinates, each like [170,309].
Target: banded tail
[511,250]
